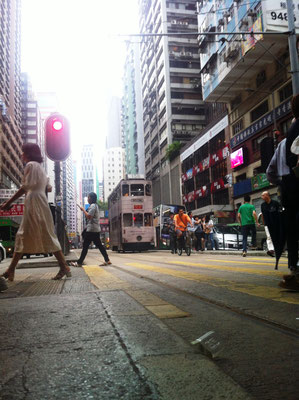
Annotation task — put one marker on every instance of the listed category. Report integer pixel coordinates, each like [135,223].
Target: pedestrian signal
[57,137]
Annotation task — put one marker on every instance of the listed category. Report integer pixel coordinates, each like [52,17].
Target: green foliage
[173,150]
[102,205]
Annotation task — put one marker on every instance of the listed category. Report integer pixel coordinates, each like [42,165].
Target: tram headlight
[139,238]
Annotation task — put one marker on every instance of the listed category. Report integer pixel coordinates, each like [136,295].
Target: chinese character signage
[14,211]
[259,181]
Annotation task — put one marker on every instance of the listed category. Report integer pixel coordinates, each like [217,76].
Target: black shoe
[271,253]
[172,252]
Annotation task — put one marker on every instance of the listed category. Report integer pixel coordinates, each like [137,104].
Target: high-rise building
[251,74]
[173,110]
[114,137]
[11,168]
[32,125]
[69,197]
[132,118]
[88,171]
[113,169]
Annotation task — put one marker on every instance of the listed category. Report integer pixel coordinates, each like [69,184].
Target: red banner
[208,162]
[14,211]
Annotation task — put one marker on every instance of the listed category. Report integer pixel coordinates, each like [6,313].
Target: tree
[173,150]
[103,205]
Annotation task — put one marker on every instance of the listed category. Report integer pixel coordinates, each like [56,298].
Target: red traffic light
[57,137]
[57,124]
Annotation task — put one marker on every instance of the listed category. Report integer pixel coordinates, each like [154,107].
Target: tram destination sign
[14,211]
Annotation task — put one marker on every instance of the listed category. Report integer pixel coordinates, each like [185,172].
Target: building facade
[69,198]
[113,169]
[88,172]
[114,137]
[132,118]
[173,110]
[251,74]
[11,167]
[32,125]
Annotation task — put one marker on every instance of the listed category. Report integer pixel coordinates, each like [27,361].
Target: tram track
[219,304]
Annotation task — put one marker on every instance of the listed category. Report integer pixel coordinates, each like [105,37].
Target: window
[260,78]
[148,219]
[137,190]
[237,127]
[125,190]
[138,219]
[221,197]
[259,111]
[127,218]
[219,170]
[286,92]
[217,143]
[256,143]
[148,189]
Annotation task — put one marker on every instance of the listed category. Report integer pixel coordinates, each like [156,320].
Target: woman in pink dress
[36,232]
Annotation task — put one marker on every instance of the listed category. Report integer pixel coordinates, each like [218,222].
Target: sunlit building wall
[11,167]
[132,121]
[173,110]
[113,168]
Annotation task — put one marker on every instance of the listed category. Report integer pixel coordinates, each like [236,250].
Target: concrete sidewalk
[69,340]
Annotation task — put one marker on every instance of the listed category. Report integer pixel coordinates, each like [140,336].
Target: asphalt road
[236,297]
[124,331]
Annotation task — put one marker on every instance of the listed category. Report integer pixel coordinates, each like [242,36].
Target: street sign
[15,210]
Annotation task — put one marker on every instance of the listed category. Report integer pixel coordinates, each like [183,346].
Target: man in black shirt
[270,209]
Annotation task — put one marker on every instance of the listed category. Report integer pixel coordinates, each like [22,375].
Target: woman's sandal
[8,275]
[61,274]
[105,263]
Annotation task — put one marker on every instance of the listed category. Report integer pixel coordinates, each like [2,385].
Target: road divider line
[229,269]
[104,281]
[266,292]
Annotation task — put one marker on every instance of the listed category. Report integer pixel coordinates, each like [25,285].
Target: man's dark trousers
[246,229]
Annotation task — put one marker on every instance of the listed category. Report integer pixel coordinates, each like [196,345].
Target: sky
[71,47]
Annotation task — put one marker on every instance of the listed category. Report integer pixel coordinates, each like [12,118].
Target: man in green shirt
[247,217]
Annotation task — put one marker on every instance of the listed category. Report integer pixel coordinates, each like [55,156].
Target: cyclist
[181,221]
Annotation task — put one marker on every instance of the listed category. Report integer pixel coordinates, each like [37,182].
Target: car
[227,237]
[2,252]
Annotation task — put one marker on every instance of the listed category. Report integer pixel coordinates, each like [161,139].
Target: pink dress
[36,233]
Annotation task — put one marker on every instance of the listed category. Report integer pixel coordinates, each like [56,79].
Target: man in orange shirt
[181,221]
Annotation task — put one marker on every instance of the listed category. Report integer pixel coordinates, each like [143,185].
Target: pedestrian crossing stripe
[105,281]
[266,292]
[233,269]
[247,262]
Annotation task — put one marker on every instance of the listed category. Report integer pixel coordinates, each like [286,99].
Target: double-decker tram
[130,208]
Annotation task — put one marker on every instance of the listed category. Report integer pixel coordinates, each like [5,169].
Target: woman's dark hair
[208,218]
[93,197]
[32,152]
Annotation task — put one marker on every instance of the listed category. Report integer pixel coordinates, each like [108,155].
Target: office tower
[32,125]
[11,167]
[132,119]
[113,169]
[114,137]
[173,110]
[69,197]
[88,171]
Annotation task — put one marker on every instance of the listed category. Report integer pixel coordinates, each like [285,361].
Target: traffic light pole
[57,171]
[293,48]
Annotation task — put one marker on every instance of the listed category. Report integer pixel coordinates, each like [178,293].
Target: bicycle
[184,243]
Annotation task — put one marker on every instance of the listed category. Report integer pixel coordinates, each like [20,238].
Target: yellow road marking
[266,292]
[106,281]
[233,269]
[245,262]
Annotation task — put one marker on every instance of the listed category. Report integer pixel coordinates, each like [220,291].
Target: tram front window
[127,220]
[138,219]
[137,190]
[148,219]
